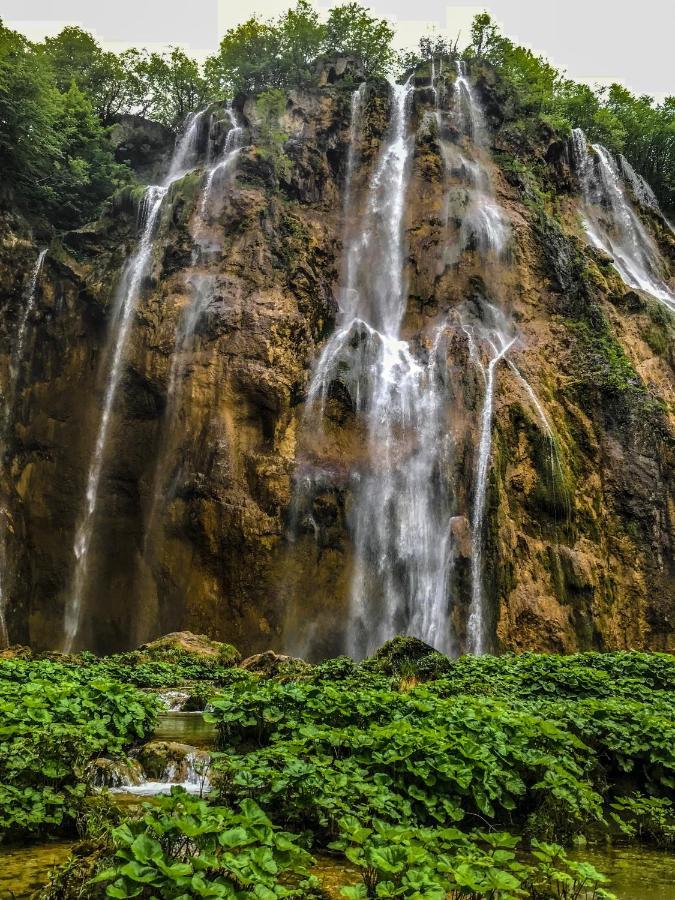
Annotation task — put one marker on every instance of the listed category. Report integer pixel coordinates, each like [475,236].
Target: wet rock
[144,145]
[114,773]
[172,762]
[270,664]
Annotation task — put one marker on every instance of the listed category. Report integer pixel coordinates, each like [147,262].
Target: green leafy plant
[185,847]
[53,720]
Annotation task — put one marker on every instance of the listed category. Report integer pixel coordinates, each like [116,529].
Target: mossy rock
[185,643]
[401,654]
[170,760]
[276,665]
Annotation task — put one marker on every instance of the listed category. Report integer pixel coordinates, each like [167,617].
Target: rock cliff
[202,522]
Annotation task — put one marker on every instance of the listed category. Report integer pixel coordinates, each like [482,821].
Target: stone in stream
[169,761]
[114,773]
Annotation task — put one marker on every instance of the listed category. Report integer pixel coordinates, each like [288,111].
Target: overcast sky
[597,41]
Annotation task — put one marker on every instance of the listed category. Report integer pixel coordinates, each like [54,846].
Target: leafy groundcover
[420,776]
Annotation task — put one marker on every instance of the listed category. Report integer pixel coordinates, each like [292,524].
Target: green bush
[534,741]
[53,720]
[184,847]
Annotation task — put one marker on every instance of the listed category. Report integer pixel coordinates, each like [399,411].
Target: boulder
[198,645]
[172,761]
[270,664]
[114,773]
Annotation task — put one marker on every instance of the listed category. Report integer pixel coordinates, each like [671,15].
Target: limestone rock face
[200,525]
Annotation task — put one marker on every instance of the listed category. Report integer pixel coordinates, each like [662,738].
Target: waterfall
[485,229]
[16,362]
[126,300]
[202,287]
[611,223]
[227,161]
[467,108]
[498,337]
[400,520]
[26,312]
[484,226]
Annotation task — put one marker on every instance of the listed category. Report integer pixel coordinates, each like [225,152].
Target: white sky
[597,41]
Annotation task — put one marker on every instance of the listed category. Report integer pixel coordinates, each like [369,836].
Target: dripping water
[127,297]
[16,362]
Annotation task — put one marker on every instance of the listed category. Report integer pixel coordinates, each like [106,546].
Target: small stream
[185,728]
[635,873]
[24,870]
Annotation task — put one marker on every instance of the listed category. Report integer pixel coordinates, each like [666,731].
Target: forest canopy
[58,98]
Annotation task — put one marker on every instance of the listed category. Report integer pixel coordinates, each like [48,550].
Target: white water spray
[613,226]
[400,519]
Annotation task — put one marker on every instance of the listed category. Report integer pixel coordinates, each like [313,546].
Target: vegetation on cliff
[59,97]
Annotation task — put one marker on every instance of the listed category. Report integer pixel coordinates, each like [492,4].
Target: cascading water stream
[498,338]
[127,297]
[399,523]
[227,161]
[613,226]
[16,362]
[26,312]
[202,285]
[485,229]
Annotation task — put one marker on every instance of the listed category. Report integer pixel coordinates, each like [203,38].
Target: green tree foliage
[352,31]
[247,59]
[84,173]
[172,86]
[109,80]
[259,54]
[29,101]
[53,148]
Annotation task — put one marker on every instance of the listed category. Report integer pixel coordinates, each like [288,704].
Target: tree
[85,173]
[352,31]
[247,60]
[173,85]
[301,38]
[29,142]
[109,80]
[258,55]
[54,151]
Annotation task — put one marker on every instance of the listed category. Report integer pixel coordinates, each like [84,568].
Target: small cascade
[495,337]
[127,296]
[611,223]
[184,766]
[642,192]
[26,312]
[468,111]
[484,226]
[192,773]
[224,166]
[16,362]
